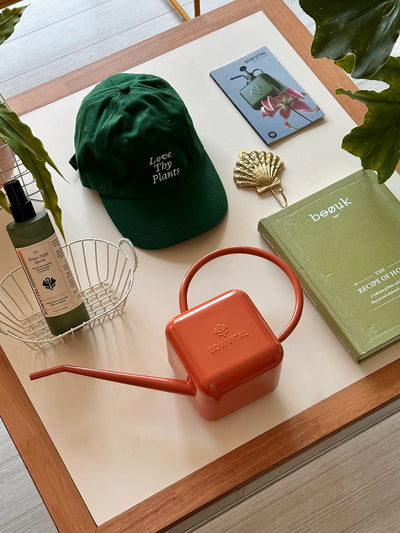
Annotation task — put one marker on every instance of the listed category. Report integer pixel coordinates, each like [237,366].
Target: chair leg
[196,8]
[180,9]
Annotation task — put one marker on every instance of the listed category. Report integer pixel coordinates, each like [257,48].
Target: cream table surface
[122,444]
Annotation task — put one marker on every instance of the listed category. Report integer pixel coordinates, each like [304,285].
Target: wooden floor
[21,508]
[55,37]
[353,488]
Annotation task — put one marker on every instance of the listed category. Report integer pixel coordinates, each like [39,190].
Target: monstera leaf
[34,157]
[8,19]
[377,141]
[366,28]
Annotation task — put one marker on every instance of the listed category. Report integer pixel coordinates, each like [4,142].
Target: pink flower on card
[286,102]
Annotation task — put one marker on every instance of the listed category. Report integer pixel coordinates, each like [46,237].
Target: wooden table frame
[257,457]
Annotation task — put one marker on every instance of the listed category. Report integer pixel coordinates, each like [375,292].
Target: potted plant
[359,36]
[19,138]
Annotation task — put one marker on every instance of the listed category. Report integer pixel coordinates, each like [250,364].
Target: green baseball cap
[136,144]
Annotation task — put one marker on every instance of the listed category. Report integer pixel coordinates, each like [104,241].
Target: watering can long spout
[179,386]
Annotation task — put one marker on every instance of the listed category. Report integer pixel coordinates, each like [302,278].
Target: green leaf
[3,202]
[377,141]
[34,157]
[8,19]
[366,28]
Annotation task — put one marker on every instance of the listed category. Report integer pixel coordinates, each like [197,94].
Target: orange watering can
[222,351]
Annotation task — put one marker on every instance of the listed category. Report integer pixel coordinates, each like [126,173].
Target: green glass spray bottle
[44,262]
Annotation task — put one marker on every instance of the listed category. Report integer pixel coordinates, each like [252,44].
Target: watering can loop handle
[287,330]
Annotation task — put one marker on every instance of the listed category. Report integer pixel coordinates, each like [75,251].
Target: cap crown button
[124,88]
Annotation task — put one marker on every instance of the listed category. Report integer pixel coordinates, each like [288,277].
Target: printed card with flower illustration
[270,99]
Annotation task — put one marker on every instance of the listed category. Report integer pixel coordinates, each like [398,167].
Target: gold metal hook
[282,198]
[260,169]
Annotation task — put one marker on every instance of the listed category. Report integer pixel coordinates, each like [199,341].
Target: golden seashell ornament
[260,169]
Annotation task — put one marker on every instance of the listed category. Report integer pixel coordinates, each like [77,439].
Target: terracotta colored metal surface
[244,363]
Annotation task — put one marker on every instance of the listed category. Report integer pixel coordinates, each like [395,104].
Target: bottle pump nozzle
[21,208]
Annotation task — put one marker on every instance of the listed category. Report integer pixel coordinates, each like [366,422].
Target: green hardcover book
[343,242]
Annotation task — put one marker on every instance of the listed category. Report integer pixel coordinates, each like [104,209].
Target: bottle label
[51,277]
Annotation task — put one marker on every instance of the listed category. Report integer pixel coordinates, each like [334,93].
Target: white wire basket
[11,167]
[104,273]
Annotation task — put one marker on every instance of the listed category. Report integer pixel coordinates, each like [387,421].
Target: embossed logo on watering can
[222,330]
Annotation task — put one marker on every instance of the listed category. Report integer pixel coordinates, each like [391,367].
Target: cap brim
[165,220]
